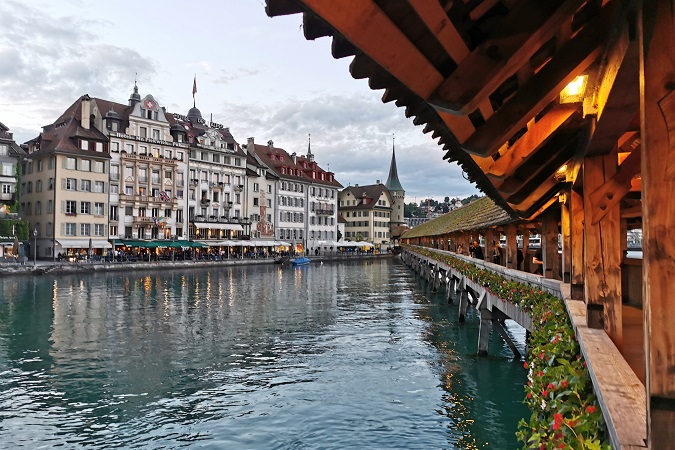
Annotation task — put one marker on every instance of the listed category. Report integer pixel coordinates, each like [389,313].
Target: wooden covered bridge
[563,113]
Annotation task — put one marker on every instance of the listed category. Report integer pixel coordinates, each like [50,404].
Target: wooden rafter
[497,59]
[570,61]
[438,23]
[537,135]
[540,194]
[366,26]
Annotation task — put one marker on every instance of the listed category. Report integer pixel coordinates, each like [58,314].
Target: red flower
[529,395]
[525,364]
[564,383]
[550,386]
[544,393]
[590,409]
[557,421]
[541,355]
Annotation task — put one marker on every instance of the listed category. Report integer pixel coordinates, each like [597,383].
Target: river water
[338,355]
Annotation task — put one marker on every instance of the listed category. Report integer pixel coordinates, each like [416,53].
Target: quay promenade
[42,267]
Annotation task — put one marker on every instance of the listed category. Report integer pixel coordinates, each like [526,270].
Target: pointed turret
[135,96]
[393,184]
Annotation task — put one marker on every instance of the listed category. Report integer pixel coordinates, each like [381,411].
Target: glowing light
[574,91]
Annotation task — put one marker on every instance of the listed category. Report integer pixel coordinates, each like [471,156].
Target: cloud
[352,136]
[47,62]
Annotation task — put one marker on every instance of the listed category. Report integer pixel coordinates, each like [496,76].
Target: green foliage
[469,199]
[559,392]
[8,226]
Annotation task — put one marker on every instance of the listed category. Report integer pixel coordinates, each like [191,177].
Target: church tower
[396,191]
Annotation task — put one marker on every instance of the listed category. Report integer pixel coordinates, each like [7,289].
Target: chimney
[270,144]
[356,185]
[250,145]
[378,182]
[86,112]
[294,157]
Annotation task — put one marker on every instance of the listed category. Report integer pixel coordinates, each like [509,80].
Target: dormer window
[84,144]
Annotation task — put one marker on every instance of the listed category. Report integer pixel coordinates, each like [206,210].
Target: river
[355,354]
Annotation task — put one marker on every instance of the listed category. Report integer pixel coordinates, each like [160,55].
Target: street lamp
[35,247]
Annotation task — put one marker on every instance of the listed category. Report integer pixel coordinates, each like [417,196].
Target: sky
[257,75]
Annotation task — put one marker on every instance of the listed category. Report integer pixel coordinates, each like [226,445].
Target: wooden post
[657,119]
[602,251]
[577,236]
[502,332]
[489,247]
[526,246]
[484,331]
[566,232]
[511,250]
[436,273]
[549,245]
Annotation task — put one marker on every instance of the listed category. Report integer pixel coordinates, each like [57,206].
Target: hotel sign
[149,140]
[200,120]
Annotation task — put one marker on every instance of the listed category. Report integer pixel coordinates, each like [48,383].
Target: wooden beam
[566,235]
[602,251]
[569,62]
[549,245]
[511,246]
[366,26]
[438,23]
[607,196]
[536,195]
[631,212]
[543,208]
[618,94]
[460,126]
[577,218]
[657,84]
[495,60]
[528,144]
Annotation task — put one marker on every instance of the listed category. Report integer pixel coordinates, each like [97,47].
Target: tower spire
[393,184]
[310,157]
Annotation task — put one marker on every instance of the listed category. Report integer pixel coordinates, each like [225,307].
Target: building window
[70,229]
[99,208]
[70,184]
[38,207]
[70,163]
[143,132]
[85,208]
[85,185]
[85,229]
[85,165]
[256,201]
[256,187]
[99,187]
[98,229]
[155,134]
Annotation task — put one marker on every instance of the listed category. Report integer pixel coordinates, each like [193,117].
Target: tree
[446,200]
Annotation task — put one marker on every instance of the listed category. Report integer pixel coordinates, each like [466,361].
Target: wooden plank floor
[633,340]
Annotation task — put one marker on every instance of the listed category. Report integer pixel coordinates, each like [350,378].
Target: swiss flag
[194,86]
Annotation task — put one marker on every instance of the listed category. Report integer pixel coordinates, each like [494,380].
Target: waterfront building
[147,169]
[372,211]
[261,186]
[217,208]
[64,182]
[322,197]
[295,204]
[10,158]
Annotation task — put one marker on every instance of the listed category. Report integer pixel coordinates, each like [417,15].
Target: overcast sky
[255,74]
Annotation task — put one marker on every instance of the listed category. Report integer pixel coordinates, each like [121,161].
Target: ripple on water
[348,355]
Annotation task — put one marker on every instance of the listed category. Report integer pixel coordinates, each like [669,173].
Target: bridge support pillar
[463,302]
[451,290]
[484,332]
[502,332]
[436,274]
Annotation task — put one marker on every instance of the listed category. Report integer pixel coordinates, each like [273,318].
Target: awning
[82,243]
[219,226]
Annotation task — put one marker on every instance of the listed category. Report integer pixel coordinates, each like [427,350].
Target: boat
[301,261]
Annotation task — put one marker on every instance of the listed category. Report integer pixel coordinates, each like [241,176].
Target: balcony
[239,187]
[205,202]
[194,182]
[143,221]
[227,205]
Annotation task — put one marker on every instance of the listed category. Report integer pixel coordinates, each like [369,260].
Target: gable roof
[479,214]
[370,193]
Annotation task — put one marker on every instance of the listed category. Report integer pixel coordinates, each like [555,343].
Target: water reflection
[331,356]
